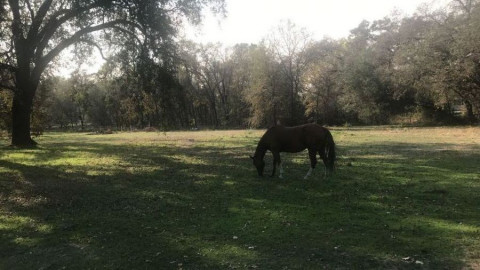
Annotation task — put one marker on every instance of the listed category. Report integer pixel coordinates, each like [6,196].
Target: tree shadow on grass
[426,193]
[202,207]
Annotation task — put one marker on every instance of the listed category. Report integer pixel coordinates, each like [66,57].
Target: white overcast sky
[248,21]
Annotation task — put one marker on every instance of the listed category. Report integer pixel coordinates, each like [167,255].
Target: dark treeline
[419,69]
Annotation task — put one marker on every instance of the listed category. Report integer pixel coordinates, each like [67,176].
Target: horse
[313,137]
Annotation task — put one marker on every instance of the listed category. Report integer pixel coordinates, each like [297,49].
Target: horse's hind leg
[312,154]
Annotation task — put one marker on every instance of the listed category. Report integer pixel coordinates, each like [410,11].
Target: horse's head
[330,159]
[259,164]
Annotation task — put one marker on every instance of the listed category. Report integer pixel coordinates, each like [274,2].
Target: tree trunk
[21,113]
[26,83]
[470,114]
[275,121]
[81,121]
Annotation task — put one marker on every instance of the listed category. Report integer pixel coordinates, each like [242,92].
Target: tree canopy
[34,32]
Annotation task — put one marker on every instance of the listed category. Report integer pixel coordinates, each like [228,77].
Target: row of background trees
[421,68]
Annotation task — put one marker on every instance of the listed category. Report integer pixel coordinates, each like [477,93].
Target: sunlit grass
[402,198]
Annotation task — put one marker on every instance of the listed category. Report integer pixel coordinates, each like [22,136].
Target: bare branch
[3,85]
[466,6]
[128,32]
[92,43]
[8,67]
[8,87]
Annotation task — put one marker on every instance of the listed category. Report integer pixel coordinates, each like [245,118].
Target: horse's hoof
[281,177]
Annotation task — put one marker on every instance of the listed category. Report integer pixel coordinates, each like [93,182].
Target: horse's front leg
[312,154]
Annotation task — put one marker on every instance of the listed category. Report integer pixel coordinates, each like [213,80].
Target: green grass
[401,199]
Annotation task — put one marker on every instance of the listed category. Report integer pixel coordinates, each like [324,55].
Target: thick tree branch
[17,22]
[54,24]
[63,15]
[76,37]
[43,61]
[38,19]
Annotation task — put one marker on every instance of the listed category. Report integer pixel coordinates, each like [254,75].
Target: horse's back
[284,139]
[296,139]
[315,135]
[315,130]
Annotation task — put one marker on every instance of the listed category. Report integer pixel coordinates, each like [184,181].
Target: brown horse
[313,137]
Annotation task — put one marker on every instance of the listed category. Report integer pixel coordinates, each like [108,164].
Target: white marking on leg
[281,171]
[308,173]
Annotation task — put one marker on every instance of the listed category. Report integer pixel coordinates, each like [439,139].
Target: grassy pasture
[401,199]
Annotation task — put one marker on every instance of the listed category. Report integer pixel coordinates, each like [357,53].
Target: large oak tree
[34,32]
